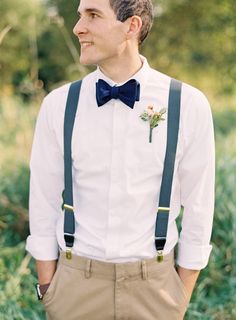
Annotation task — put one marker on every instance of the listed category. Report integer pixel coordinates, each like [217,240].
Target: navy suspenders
[168,171]
[69,119]
[167,177]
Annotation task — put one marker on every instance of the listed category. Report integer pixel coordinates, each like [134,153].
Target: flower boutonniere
[153,117]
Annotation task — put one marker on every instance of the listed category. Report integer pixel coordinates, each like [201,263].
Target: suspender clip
[68,253]
[159,256]
[69,239]
[160,243]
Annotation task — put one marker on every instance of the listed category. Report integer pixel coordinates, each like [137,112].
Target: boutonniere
[153,117]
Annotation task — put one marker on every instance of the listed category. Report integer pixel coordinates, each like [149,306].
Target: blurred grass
[214,297]
[17,120]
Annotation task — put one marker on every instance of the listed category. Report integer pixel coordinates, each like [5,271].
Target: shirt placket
[114,223]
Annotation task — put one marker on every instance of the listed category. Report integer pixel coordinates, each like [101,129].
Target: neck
[123,69]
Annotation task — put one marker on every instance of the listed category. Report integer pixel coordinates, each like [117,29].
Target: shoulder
[188,91]
[196,109]
[57,96]
[192,99]
[196,114]
[53,106]
[55,101]
[159,80]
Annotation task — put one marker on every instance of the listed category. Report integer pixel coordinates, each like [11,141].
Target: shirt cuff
[193,257]
[42,248]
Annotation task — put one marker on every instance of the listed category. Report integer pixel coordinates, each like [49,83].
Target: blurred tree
[66,9]
[196,37]
[60,59]
[191,39]
[36,44]
[19,25]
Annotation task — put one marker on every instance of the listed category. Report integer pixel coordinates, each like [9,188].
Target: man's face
[102,37]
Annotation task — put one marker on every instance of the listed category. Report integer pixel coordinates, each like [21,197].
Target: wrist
[45,271]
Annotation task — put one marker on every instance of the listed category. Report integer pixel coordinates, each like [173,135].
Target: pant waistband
[117,271]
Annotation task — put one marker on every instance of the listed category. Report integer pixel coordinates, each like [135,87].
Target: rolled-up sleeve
[46,185]
[197,179]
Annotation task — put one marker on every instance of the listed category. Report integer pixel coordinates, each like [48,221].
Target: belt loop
[144,270]
[87,272]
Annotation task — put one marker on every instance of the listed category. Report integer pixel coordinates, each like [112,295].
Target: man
[117,172]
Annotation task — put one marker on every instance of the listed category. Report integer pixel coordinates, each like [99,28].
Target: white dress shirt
[117,175]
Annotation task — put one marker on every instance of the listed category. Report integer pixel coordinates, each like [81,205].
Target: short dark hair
[125,9]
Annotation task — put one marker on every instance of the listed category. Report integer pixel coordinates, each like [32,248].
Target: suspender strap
[69,119]
[168,171]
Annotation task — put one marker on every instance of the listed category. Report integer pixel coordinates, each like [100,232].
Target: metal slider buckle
[167,209]
[68,207]
[68,253]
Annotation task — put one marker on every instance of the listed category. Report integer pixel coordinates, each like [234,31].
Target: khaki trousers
[84,289]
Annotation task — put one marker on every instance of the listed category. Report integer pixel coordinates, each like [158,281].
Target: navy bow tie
[128,93]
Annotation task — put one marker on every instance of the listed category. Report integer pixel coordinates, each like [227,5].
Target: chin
[86,61]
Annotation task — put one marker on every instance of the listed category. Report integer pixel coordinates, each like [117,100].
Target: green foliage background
[193,40]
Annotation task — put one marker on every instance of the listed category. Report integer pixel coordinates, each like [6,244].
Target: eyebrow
[89,10]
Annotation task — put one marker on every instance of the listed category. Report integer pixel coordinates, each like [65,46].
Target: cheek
[114,32]
[115,39]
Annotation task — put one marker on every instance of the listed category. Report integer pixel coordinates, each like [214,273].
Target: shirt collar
[141,76]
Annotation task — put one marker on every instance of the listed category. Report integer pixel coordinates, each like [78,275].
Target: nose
[79,28]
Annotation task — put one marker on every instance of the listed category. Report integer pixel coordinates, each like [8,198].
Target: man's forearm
[189,278]
[45,270]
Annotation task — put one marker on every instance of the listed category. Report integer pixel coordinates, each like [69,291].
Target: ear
[134,27]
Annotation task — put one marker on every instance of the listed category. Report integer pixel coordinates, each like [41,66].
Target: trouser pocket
[48,296]
[181,292]
[180,284]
